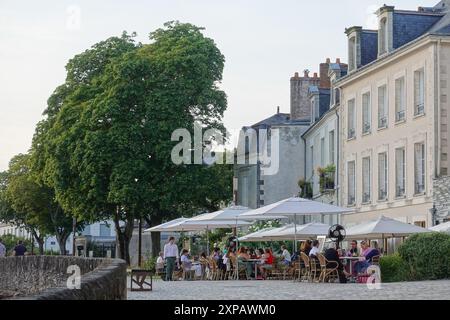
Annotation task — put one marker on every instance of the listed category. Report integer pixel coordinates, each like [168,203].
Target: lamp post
[74,228]
[433,212]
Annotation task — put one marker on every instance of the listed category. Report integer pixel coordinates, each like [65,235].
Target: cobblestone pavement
[288,290]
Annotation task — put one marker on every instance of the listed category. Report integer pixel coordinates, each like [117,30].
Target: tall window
[400,99]
[382,176]
[383,109]
[322,152]
[315,109]
[419,168]
[366,113]
[331,148]
[351,119]
[366,180]
[419,92]
[383,36]
[400,172]
[351,184]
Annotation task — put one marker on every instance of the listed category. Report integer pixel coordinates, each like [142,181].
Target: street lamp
[433,212]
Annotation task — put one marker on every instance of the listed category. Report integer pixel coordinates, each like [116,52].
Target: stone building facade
[394,118]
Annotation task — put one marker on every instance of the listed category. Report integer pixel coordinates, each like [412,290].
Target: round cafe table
[351,259]
[256,265]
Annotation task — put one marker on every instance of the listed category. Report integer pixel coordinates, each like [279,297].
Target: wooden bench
[139,277]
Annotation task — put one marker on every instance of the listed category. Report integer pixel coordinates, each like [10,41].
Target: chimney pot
[315,74]
[278,109]
[306,73]
[296,75]
[338,60]
[328,60]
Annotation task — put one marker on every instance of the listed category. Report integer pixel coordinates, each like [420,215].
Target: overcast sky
[264,43]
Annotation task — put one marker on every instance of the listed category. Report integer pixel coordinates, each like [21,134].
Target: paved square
[288,290]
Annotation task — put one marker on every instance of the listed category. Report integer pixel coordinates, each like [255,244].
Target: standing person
[2,249]
[171,256]
[20,249]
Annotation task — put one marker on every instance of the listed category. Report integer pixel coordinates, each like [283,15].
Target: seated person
[332,256]
[367,253]
[160,263]
[353,252]
[268,259]
[286,256]
[307,247]
[243,254]
[314,249]
[186,264]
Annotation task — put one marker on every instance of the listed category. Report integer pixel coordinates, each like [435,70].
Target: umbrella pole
[207,241]
[295,233]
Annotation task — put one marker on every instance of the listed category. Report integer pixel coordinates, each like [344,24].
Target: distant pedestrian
[2,249]
[20,249]
[171,256]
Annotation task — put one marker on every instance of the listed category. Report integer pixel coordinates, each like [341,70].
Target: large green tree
[24,202]
[105,146]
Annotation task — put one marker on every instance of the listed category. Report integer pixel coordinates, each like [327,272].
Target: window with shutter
[400,100]
[419,92]
[351,183]
[382,107]
[331,147]
[366,113]
[322,152]
[382,177]
[366,179]
[400,169]
[351,119]
[419,168]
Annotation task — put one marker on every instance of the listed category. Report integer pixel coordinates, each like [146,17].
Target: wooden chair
[204,264]
[306,271]
[215,271]
[328,269]
[139,277]
[188,274]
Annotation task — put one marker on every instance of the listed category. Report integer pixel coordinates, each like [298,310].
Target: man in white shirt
[286,255]
[171,256]
[315,249]
[2,249]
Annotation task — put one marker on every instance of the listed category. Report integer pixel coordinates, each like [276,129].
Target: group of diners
[259,263]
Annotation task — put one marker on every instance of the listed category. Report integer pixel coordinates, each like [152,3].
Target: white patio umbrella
[294,207]
[383,228]
[264,235]
[444,227]
[162,227]
[306,231]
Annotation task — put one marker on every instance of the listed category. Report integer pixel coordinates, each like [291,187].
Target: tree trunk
[124,237]
[62,240]
[156,236]
[39,240]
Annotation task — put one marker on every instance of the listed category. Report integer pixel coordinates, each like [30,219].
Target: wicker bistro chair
[205,265]
[314,269]
[297,269]
[328,269]
[239,269]
[214,270]
[306,270]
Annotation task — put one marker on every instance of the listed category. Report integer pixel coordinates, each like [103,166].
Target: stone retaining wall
[45,277]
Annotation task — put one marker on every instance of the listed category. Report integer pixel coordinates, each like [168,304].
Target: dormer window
[385,30]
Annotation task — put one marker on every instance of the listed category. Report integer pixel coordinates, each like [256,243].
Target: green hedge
[394,269]
[428,256]
[422,257]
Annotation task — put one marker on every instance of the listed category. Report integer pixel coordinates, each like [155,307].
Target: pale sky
[264,43]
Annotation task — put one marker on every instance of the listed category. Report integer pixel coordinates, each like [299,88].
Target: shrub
[394,269]
[427,255]
[150,264]
[10,241]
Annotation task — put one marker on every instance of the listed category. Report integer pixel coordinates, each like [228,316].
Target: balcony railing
[400,116]
[366,128]
[420,109]
[400,191]
[382,123]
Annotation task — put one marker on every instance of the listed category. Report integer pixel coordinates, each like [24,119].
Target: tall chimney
[324,79]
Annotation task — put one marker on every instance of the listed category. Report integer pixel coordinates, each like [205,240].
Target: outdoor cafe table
[350,259]
[256,264]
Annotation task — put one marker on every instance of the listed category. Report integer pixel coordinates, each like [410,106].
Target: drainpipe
[338,151]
